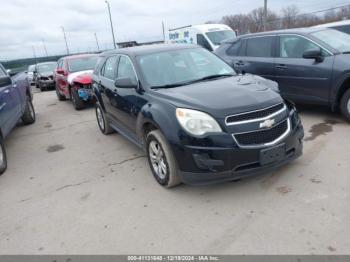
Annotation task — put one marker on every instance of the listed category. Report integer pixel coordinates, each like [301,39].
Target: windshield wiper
[192,81]
[167,86]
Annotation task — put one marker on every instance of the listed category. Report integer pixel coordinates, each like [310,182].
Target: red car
[73,78]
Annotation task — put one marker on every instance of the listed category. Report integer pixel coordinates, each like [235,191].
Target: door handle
[282,67]
[239,63]
[7,91]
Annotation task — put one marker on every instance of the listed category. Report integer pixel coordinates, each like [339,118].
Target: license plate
[271,155]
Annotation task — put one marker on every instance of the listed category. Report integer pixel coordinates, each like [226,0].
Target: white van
[208,35]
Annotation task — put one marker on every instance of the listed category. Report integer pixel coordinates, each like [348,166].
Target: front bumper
[46,83]
[207,165]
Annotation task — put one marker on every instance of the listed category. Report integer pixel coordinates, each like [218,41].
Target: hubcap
[157,159]
[349,106]
[1,157]
[100,119]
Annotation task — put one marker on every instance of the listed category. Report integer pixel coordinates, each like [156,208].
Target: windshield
[49,67]
[181,66]
[217,37]
[336,39]
[82,64]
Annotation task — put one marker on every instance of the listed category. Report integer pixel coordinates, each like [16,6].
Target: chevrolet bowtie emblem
[267,123]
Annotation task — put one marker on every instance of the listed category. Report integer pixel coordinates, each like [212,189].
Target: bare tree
[290,16]
[257,20]
[240,23]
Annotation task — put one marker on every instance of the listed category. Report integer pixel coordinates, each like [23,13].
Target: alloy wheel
[157,158]
[348,106]
[1,157]
[100,120]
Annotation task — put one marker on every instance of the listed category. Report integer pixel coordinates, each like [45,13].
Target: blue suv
[311,65]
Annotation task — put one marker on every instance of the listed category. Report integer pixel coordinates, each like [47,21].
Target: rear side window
[260,46]
[109,68]
[235,49]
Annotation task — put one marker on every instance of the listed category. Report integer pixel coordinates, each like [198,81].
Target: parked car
[208,36]
[30,74]
[310,65]
[198,121]
[342,26]
[15,104]
[73,79]
[44,75]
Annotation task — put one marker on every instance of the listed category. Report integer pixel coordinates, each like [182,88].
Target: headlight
[196,123]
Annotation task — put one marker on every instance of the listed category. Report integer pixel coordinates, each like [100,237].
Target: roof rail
[180,28]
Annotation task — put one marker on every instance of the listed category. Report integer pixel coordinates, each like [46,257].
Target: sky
[27,24]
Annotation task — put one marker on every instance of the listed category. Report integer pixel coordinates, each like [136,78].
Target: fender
[157,115]
[336,89]
[97,96]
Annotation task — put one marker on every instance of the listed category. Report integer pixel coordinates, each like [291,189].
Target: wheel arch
[341,87]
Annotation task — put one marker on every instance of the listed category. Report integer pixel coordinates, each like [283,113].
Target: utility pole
[98,46]
[265,15]
[36,61]
[110,19]
[163,27]
[65,39]
[44,47]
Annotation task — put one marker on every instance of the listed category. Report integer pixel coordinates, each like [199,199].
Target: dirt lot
[71,190]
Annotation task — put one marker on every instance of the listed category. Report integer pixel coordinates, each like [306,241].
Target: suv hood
[46,74]
[223,97]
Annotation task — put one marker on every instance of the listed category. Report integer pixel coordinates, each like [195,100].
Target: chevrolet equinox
[197,120]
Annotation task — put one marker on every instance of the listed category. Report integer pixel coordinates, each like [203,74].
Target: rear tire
[28,116]
[78,104]
[345,105]
[59,96]
[102,121]
[161,160]
[3,158]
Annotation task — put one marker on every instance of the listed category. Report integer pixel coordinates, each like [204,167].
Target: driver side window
[292,46]
[125,69]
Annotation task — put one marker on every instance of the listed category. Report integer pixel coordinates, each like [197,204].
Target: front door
[8,103]
[300,79]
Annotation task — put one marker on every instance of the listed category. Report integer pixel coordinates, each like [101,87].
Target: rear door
[126,100]
[302,80]
[258,56]
[108,75]
[9,103]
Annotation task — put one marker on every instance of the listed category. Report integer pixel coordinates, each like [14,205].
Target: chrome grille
[255,115]
[263,137]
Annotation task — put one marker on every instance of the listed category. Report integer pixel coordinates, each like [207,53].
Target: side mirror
[314,54]
[60,71]
[126,82]
[5,81]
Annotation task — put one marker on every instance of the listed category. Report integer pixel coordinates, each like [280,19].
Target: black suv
[198,121]
[311,65]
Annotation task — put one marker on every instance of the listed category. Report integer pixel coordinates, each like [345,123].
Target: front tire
[345,105]
[3,158]
[78,104]
[28,116]
[162,160]
[102,121]
[59,96]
